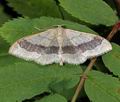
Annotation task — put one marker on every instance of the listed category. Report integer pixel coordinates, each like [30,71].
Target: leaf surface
[102,87]
[24,80]
[6,60]
[35,8]
[90,11]
[3,16]
[4,46]
[53,98]
[112,59]
[18,28]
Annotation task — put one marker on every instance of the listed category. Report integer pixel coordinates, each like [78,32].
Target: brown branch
[114,30]
[92,62]
[83,78]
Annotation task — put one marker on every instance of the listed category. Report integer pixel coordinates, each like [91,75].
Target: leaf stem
[83,78]
[113,32]
[92,62]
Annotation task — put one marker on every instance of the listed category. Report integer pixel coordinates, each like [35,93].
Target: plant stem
[92,62]
[114,30]
[83,78]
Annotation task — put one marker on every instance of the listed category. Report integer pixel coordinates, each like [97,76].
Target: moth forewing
[60,45]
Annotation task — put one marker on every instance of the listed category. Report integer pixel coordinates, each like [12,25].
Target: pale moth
[60,45]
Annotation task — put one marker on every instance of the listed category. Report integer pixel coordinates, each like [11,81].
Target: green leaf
[25,80]
[64,87]
[40,8]
[14,30]
[35,8]
[90,11]
[102,87]
[112,59]
[3,46]
[6,60]
[67,16]
[53,98]
[99,65]
[3,17]
[112,4]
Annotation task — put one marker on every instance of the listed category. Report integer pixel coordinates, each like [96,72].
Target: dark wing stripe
[91,44]
[37,48]
[66,49]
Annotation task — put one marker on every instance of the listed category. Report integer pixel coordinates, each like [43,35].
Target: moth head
[59,26]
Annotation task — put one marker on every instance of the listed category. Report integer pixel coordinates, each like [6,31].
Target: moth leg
[61,62]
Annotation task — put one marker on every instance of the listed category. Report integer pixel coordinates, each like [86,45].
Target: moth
[60,45]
